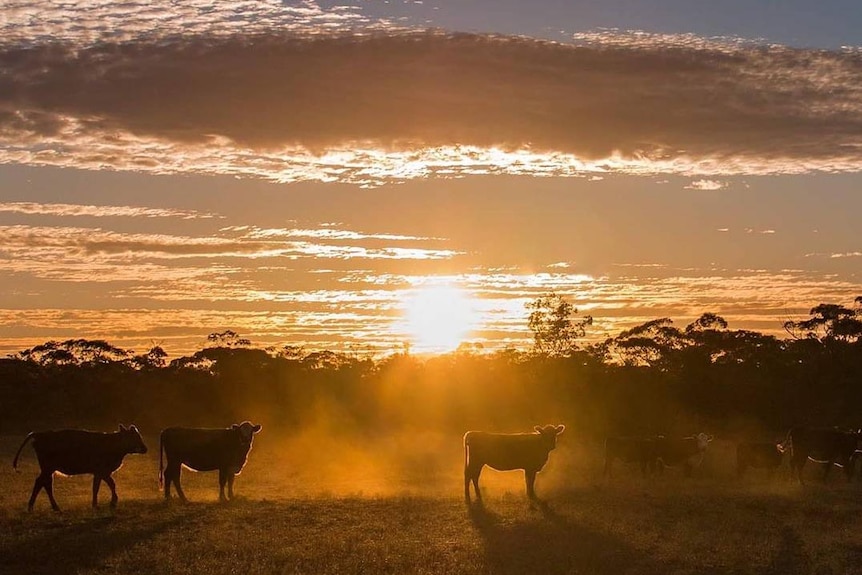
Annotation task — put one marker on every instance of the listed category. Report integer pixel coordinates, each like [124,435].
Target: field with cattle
[359,466]
[395,505]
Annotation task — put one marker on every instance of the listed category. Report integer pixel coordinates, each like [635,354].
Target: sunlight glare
[438,317]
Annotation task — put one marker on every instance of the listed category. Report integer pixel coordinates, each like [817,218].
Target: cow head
[549,434]
[246,431]
[132,440]
[702,441]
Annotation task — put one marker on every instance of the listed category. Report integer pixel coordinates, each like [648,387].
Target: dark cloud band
[405,92]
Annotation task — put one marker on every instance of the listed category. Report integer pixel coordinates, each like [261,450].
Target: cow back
[205,449]
[508,451]
[823,443]
[76,451]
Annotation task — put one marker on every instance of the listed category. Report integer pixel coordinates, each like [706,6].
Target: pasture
[318,505]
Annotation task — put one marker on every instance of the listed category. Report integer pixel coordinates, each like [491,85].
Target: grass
[385,519]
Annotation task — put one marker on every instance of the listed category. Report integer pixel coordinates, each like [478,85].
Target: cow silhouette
[202,449]
[80,452]
[507,451]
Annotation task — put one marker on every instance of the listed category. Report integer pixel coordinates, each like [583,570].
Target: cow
[508,451]
[758,454]
[225,450]
[80,452]
[639,450]
[687,451]
[826,445]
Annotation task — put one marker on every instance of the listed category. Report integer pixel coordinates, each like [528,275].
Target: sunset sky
[367,174]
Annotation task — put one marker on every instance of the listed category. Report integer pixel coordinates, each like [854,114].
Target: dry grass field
[397,507]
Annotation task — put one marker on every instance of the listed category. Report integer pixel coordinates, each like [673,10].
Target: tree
[555,333]
[83,352]
[650,343]
[228,338]
[153,359]
[829,322]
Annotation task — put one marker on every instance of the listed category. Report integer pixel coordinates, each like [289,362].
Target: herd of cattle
[77,452]
[828,446]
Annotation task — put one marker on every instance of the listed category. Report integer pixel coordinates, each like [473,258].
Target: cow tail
[26,439]
[161,466]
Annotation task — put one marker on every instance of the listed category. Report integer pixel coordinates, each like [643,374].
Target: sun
[438,317]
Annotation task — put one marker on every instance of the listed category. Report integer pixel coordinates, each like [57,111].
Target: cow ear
[123,427]
[256,428]
[538,429]
[134,428]
[235,426]
[709,438]
[560,429]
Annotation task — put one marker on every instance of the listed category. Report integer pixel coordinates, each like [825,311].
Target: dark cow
[759,455]
[826,445]
[79,452]
[687,451]
[642,451]
[225,450]
[507,451]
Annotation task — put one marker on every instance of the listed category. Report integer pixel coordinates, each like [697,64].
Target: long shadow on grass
[552,544]
[78,541]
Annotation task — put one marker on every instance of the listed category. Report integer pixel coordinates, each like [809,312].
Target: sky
[372,175]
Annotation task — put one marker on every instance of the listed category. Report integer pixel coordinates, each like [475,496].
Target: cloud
[379,104]
[706,185]
[326,232]
[32,208]
[81,254]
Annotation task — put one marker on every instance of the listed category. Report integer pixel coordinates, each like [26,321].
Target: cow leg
[97,482]
[49,489]
[471,473]
[230,479]
[222,480]
[110,482]
[167,477]
[37,487]
[800,466]
[179,487]
[172,474]
[530,477]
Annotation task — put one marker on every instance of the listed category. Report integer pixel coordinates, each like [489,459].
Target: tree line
[653,378]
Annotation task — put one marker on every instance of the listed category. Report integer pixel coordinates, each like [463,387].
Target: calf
[687,451]
[826,445]
[758,454]
[504,452]
[225,450]
[79,452]
[642,451]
